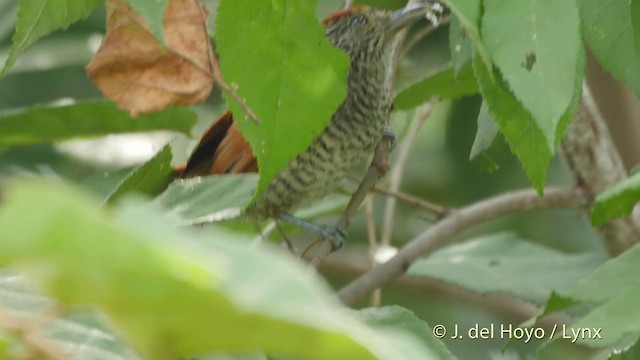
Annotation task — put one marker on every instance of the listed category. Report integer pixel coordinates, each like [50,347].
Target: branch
[437,210]
[216,76]
[397,171]
[455,223]
[595,164]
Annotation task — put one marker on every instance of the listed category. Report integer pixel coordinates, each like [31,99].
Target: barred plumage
[366,35]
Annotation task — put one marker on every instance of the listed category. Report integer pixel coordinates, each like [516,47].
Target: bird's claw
[335,234]
[389,136]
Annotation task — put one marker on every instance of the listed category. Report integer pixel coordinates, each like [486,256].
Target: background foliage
[100,260]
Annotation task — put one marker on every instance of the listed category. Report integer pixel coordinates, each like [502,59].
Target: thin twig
[397,171]
[371,228]
[348,4]
[373,244]
[216,76]
[421,34]
[445,230]
[438,210]
[595,165]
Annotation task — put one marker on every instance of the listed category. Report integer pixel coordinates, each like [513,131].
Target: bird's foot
[389,136]
[335,234]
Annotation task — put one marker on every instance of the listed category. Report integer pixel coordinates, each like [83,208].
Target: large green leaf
[611,295]
[608,28]
[616,201]
[610,280]
[536,45]
[618,322]
[460,46]
[173,294]
[503,263]
[395,318]
[94,118]
[468,14]
[635,24]
[445,83]
[37,18]
[275,55]
[207,199]
[517,125]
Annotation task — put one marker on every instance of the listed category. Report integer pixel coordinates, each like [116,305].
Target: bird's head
[367,30]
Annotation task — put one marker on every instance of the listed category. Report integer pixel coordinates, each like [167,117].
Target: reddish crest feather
[340,14]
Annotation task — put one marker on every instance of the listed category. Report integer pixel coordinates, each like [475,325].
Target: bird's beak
[413,13]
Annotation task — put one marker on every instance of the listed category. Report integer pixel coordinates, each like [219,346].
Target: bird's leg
[286,240]
[378,167]
[389,136]
[335,234]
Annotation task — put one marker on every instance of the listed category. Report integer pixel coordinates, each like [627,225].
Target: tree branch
[437,210]
[595,164]
[455,223]
[397,171]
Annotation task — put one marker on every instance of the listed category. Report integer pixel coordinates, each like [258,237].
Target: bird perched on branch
[367,35]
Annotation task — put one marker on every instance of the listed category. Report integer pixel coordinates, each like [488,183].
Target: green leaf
[40,124]
[207,199]
[9,11]
[619,321]
[517,126]
[460,46]
[274,53]
[502,263]
[631,353]
[487,131]
[615,290]
[468,14]
[396,318]
[42,17]
[152,11]
[608,30]
[444,83]
[149,178]
[87,333]
[635,24]
[5,347]
[174,294]
[616,201]
[610,280]
[536,45]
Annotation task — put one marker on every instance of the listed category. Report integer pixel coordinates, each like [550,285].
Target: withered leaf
[137,73]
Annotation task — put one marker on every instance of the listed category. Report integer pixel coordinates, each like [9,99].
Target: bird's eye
[359,20]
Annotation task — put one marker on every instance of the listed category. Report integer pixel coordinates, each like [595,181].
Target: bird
[366,34]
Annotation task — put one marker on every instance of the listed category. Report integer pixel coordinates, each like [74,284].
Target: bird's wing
[221,150]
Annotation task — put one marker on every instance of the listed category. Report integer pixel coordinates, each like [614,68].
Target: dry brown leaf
[137,73]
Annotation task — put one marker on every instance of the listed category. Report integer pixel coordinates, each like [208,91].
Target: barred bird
[367,35]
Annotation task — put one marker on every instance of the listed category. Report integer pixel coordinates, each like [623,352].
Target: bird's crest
[340,14]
